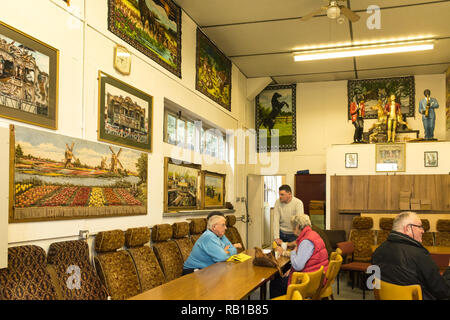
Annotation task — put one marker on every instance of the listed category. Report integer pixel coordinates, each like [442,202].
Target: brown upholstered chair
[232,233]
[26,277]
[196,227]
[427,237]
[385,229]
[166,250]
[324,237]
[69,264]
[180,234]
[443,232]
[114,266]
[150,274]
[363,238]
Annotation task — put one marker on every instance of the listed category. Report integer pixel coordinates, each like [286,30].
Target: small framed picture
[351,160]
[430,158]
[390,157]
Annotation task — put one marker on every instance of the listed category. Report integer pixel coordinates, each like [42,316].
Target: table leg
[262,291]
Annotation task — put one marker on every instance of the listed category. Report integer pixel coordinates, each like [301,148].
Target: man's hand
[237,245]
[227,251]
[279,241]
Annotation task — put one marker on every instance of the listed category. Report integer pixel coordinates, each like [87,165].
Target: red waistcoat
[319,256]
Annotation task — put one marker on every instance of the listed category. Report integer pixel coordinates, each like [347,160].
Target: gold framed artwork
[213,190]
[56,177]
[124,114]
[351,160]
[181,185]
[390,157]
[122,59]
[28,79]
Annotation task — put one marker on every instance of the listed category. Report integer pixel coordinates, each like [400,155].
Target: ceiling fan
[334,10]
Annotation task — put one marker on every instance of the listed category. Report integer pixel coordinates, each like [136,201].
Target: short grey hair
[402,219]
[214,220]
[300,220]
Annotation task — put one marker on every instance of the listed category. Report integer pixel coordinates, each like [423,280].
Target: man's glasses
[416,225]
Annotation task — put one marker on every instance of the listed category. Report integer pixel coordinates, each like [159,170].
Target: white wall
[86,46]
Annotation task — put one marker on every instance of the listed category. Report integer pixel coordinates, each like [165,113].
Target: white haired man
[212,246]
[404,261]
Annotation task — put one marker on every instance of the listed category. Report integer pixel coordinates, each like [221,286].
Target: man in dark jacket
[404,261]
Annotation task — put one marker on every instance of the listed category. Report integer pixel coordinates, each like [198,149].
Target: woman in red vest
[308,255]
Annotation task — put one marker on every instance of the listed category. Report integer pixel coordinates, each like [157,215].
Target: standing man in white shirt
[285,207]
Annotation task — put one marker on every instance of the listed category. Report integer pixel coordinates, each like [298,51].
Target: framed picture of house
[390,157]
[181,185]
[275,119]
[57,177]
[152,26]
[28,79]
[213,190]
[378,91]
[430,158]
[124,114]
[213,72]
[351,160]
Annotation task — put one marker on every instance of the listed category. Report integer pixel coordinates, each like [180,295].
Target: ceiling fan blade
[353,17]
[310,15]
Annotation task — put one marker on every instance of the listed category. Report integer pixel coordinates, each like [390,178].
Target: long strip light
[363,50]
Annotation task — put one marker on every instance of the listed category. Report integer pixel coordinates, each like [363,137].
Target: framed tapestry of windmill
[275,119]
[124,114]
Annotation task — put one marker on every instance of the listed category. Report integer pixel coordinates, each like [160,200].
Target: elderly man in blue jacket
[426,108]
[212,246]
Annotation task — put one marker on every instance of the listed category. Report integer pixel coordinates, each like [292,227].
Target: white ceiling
[259,36]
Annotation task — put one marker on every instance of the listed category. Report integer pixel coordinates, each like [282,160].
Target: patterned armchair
[443,232]
[149,271]
[363,238]
[115,268]
[62,258]
[169,257]
[385,229]
[180,233]
[232,233]
[427,237]
[26,277]
[197,227]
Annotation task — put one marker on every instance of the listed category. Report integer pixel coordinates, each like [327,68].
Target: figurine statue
[357,111]
[380,125]
[426,108]
[392,109]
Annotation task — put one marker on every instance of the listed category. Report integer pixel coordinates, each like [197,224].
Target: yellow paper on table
[241,257]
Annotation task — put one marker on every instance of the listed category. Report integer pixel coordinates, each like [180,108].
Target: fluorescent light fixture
[357,51]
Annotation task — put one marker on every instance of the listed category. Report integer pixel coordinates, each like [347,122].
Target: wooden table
[220,281]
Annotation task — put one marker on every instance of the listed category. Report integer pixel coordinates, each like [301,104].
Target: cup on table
[284,246]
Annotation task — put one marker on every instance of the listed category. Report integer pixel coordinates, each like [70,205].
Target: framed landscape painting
[28,79]
[181,185]
[373,90]
[275,119]
[213,72]
[124,114]
[151,26]
[213,190]
[390,157]
[56,177]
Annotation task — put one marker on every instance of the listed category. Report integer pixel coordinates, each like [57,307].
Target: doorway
[262,192]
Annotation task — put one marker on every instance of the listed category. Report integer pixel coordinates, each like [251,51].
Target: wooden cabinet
[310,187]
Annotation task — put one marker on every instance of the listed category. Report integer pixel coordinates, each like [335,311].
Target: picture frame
[275,118]
[125,114]
[212,71]
[430,159]
[372,90]
[351,160]
[213,190]
[122,59]
[57,177]
[390,157]
[153,27]
[181,185]
[28,79]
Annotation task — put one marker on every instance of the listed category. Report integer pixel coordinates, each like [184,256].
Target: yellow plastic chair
[335,253]
[294,288]
[389,291]
[333,269]
[315,282]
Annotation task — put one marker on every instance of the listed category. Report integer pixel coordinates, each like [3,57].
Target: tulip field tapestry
[55,177]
